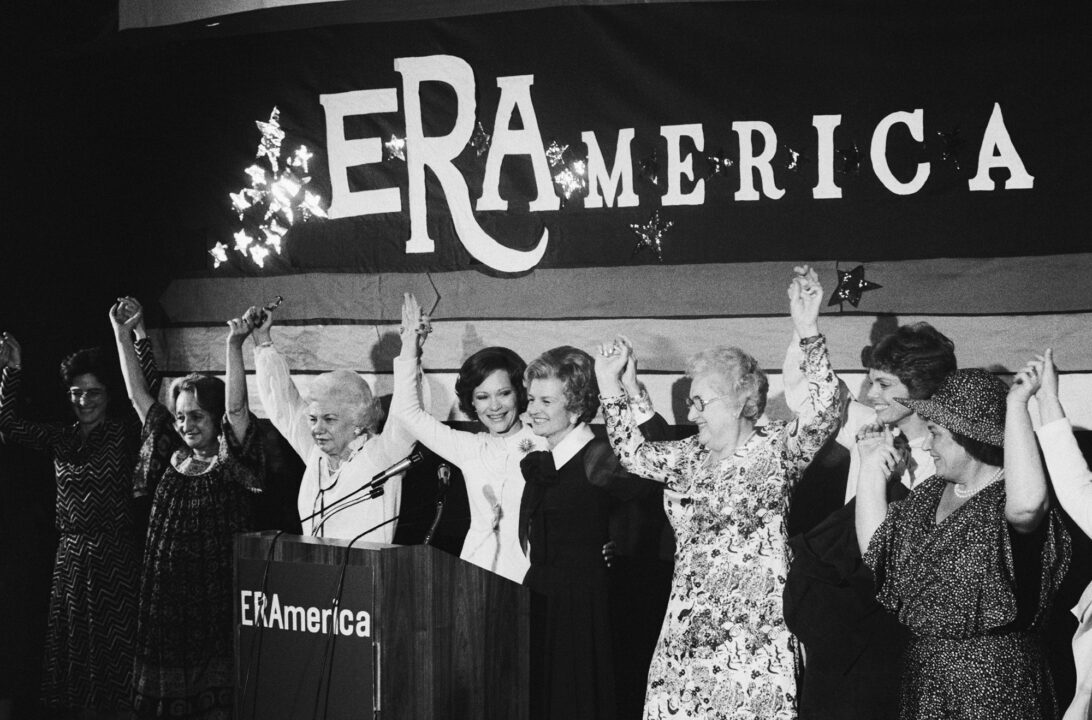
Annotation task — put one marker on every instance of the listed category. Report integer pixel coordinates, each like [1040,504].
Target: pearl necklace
[963,494]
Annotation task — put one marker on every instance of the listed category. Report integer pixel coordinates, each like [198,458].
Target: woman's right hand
[11,353]
[805,296]
[126,316]
[879,456]
[414,329]
[1048,387]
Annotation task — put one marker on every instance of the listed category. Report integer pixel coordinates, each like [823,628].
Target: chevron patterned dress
[93,606]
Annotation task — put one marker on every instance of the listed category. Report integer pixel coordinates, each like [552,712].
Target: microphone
[399,467]
[443,474]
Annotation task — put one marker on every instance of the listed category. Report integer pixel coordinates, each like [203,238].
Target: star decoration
[311,205]
[651,234]
[796,160]
[396,148]
[650,170]
[272,137]
[219,254]
[718,163]
[526,445]
[257,175]
[851,160]
[555,153]
[953,145]
[851,284]
[240,201]
[302,159]
[258,254]
[480,140]
[242,241]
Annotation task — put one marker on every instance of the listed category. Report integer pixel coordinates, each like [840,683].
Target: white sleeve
[281,399]
[1069,471]
[406,409]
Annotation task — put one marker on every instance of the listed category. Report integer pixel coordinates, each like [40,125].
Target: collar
[571,444]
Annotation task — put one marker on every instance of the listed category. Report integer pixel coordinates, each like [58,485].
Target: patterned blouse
[724,650]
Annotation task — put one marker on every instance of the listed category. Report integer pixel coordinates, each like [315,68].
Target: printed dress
[93,602]
[974,595]
[724,651]
[184,664]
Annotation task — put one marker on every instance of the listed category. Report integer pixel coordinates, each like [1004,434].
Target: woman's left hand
[414,329]
[610,363]
[1027,381]
[805,297]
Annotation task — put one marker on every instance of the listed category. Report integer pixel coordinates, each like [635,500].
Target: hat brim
[941,415]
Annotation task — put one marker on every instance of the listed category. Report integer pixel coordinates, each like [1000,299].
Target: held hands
[879,456]
[11,354]
[261,319]
[610,365]
[805,297]
[127,316]
[415,327]
[1028,380]
[240,327]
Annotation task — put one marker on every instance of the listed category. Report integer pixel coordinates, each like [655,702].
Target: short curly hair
[207,390]
[919,355]
[576,371]
[734,371]
[348,388]
[89,361]
[481,365]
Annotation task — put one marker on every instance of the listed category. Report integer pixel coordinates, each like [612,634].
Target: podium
[374,631]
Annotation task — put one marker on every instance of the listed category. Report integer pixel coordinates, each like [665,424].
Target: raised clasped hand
[415,327]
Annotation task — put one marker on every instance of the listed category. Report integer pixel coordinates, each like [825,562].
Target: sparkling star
[219,254]
[302,158]
[396,148]
[258,254]
[851,284]
[242,241]
[650,234]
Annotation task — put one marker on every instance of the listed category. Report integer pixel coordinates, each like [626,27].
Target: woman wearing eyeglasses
[93,603]
[724,650]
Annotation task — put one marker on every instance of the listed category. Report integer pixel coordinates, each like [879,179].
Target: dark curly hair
[980,451]
[576,371]
[209,392]
[481,365]
[919,355]
[93,361]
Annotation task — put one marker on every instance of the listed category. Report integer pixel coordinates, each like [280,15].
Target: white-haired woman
[724,650]
[333,430]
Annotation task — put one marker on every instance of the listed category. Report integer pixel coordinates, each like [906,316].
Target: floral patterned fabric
[184,664]
[724,651]
[975,595]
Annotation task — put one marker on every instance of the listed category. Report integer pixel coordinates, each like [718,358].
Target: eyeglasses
[698,404]
[76,394]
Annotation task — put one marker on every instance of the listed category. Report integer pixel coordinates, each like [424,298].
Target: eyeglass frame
[699,404]
[76,394]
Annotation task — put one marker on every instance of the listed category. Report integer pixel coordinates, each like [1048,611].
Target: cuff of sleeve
[1053,427]
[614,399]
[811,340]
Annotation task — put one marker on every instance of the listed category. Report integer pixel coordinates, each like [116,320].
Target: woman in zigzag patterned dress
[92,614]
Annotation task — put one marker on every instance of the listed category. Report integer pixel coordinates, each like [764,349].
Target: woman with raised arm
[971,560]
[724,651]
[490,389]
[910,362]
[201,463]
[93,603]
[334,431]
[1072,481]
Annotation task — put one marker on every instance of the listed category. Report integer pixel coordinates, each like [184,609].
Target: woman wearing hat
[970,561]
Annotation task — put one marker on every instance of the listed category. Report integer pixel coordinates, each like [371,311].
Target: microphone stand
[443,474]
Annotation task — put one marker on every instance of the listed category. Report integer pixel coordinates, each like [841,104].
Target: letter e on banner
[344,154]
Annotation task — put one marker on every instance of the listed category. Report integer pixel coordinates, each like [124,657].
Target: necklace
[963,494]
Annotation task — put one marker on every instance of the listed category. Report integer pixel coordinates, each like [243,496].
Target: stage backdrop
[561,175]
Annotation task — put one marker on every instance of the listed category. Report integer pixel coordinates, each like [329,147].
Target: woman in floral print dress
[724,651]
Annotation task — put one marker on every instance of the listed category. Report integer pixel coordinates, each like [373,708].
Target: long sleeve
[281,399]
[406,411]
[39,436]
[1069,471]
[148,366]
[661,461]
[853,413]
[818,419]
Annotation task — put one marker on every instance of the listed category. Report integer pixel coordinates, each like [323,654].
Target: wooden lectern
[397,632]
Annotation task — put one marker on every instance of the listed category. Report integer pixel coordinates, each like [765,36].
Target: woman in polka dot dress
[971,560]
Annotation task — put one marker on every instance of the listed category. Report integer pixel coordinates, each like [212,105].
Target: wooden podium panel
[416,633]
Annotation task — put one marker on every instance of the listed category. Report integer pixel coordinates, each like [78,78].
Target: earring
[358,431]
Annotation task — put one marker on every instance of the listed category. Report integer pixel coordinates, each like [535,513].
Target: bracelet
[810,339]
[267,343]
